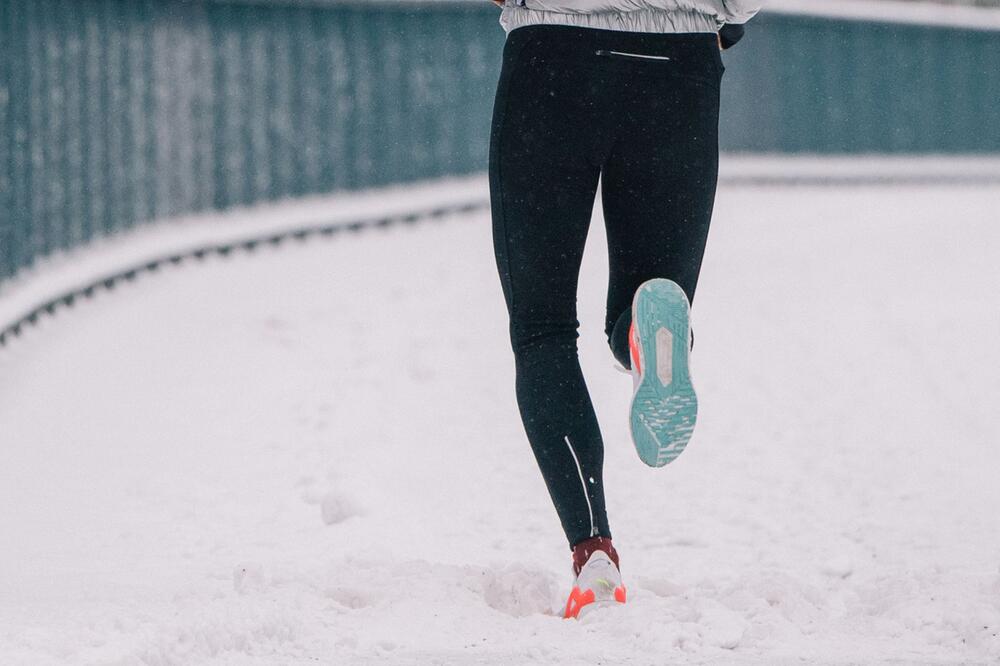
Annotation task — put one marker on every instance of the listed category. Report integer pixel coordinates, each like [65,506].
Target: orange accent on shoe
[577,600]
[633,347]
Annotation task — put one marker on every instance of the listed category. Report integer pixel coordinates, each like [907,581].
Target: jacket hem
[643,20]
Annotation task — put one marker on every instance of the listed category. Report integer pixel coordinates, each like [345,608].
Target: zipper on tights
[625,54]
[586,493]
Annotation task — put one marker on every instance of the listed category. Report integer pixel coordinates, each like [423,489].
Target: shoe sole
[596,606]
[664,405]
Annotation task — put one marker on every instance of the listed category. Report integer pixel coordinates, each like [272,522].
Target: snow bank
[153,244]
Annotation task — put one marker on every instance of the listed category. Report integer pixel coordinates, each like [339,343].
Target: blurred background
[114,113]
[298,441]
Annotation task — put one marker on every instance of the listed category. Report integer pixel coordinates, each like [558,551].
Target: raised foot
[664,406]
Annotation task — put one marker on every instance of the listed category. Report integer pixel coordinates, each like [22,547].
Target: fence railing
[829,84]
[115,112]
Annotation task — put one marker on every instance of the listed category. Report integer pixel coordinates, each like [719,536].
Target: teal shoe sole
[664,406]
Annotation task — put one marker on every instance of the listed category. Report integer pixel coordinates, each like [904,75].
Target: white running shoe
[599,582]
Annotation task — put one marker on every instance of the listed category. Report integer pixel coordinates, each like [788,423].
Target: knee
[548,336]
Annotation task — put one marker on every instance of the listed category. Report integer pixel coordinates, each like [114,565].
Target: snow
[183,235]
[312,454]
[893,11]
[777,169]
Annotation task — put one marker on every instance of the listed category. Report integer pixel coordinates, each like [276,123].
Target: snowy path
[313,455]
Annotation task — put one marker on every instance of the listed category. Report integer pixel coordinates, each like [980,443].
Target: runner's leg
[543,180]
[658,184]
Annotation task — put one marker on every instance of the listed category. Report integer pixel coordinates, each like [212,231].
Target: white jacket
[629,15]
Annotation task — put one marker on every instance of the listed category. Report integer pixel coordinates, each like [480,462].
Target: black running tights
[640,112]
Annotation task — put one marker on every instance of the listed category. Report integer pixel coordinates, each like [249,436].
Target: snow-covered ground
[313,455]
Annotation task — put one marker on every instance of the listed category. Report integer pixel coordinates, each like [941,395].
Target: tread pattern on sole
[662,415]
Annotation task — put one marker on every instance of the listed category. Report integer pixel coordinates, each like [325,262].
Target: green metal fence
[114,112]
[117,111]
[823,85]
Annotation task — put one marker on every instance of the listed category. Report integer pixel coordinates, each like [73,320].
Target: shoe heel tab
[599,555]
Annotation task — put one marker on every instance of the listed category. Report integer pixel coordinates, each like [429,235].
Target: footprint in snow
[349,597]
[336,507]
[519,592]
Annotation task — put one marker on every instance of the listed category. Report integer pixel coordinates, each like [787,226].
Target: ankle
[583,550]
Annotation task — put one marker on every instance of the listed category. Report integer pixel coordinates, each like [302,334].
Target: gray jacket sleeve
[737,11]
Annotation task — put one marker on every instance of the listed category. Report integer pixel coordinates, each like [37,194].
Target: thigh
[543,180]
[658,185]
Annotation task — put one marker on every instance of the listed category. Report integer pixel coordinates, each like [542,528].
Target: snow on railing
[894,11]
[67,279]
